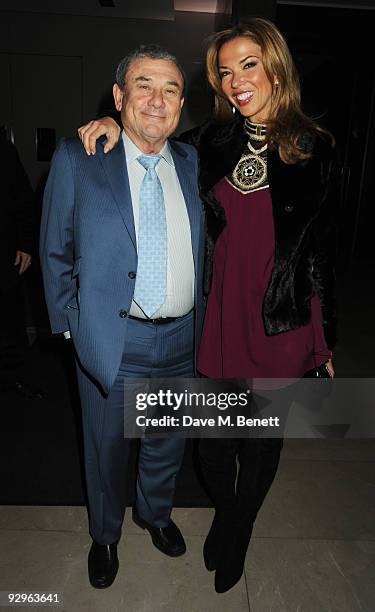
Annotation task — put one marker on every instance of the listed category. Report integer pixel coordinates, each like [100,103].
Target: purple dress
[234,343]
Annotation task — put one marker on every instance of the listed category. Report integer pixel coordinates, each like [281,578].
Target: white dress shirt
[180,264]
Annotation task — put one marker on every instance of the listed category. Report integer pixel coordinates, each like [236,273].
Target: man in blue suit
[121,251]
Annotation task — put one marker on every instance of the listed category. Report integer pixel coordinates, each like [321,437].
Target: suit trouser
[150,351]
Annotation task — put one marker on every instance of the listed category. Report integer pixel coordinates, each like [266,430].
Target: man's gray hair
[152,51]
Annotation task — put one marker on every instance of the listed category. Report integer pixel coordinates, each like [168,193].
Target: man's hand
[23,260]
[90,132]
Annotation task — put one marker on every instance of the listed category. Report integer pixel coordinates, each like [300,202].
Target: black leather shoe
[102,564]
[168,540]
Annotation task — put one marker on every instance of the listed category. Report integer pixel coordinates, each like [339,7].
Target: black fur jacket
[303,204]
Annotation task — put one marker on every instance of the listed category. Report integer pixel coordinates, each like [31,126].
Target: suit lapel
[188,180]
[114,164]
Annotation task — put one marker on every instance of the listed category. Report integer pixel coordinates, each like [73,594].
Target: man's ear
[182,102]
[118,96]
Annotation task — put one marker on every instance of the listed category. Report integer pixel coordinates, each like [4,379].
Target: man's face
[151,103]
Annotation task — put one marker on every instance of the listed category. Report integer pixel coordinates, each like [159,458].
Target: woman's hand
[330,368]
[90,132]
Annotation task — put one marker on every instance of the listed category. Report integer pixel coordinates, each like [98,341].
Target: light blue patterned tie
[151,282]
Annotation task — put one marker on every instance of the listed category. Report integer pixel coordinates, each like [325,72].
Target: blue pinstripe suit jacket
[88,247]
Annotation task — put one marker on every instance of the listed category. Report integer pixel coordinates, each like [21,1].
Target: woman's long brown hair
[287,122]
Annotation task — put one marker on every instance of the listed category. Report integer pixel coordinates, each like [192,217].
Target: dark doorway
[334,53]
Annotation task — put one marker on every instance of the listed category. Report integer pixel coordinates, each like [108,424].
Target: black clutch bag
[322,389]
[319,372]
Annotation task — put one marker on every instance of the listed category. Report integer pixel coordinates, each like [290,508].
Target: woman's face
[243,78]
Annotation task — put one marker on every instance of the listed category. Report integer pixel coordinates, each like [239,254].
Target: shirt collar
[132,152]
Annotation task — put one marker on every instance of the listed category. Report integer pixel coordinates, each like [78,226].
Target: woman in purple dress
[266,173]
[265,178]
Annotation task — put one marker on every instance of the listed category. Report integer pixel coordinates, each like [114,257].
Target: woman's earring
[233,109]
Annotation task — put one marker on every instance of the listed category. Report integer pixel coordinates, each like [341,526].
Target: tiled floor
[313,548]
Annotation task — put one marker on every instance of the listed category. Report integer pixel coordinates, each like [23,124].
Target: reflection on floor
[313,548]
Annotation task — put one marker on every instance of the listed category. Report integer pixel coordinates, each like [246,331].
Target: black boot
[259,460]
[219,470]
[232,556]
[221,531]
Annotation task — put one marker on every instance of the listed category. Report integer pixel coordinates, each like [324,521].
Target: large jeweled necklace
[250,173]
